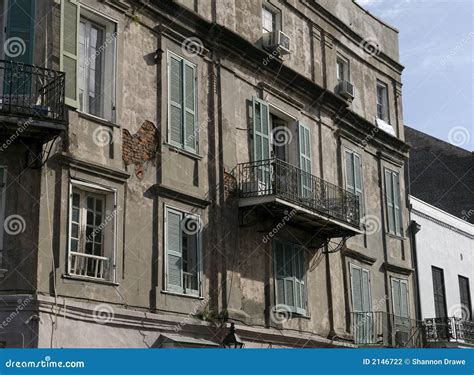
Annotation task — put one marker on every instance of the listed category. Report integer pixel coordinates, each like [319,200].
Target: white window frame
[199,273]
[277,18]
[182,145]
[3,191]
[94,189]
[385,102]
[346,69]
[109,62]
[362,190]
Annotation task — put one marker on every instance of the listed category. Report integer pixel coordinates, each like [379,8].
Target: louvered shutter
[396,297]
[300,279]
[280,272]
[403,299]
[356,282]
[261,140]
[174,250]
[397,212]
[70,15]
[305,160]
[365,284]
[389,200]
[189,110]
[358,181]
[175,98]
[350,172]
[289,276]
[20,31]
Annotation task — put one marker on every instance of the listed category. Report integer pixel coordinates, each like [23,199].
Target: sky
[437,50]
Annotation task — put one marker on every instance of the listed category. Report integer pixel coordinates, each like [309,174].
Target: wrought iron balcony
[450,329]
[277,183]
[377,328]
[31,92]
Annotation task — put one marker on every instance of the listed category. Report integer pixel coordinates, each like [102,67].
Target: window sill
[192,296]
[183,151]
[395,236]
[97,119]
[89,279]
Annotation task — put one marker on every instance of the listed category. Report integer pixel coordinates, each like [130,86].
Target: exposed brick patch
[141,146]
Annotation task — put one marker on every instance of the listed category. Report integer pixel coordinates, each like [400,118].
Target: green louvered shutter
[289,276]
[396,203]
[356,282]
[70,15]
[305,160]
[403,299]
[279,272]
[175,102]
[174,250]
[358,181]
[300,279]
[396,297]
[20,31]
[261,141]
[350,172]
[389,200]
[189,110]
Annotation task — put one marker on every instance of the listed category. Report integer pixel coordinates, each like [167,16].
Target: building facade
[444,250]
[202,163]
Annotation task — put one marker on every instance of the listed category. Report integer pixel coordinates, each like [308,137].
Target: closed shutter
[396,297]
[358,181]
[356,282]
[350,185]
[189,104]
[366,303]
[70,15]
[396,203]
[280,272]
[20,31]
[289,276]
[175,77]
[403,299]
[300,278]
[174,250]
[305,160]
[389,200]
[261,140]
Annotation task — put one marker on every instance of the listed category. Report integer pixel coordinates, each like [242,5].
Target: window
[92,228]
[392,202]
[307,184]
[88,45]
[269,19]
[354,176]
[400,301]
[465,296]
[342,69]
[3,185]
[290,275]
[182,103]
[382,102]
[183,252]
[439,292]
[363,319]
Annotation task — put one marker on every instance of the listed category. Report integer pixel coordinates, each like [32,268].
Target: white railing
[190,281]
[88,265]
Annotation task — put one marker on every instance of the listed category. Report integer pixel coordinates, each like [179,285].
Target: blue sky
[437,50]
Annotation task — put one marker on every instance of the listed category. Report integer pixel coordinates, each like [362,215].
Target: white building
[445,274]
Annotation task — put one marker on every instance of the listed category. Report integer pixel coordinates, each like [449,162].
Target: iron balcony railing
[378,328]
[449,329]
[31,91]
[278,178]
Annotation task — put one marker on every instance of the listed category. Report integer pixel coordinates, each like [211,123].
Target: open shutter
[189,104]
[174,250]
[397,213]
[175,97]
[289,276]
[366,303]
[70,17]
[279,272]
[389,200]
[350,185]
[261,140]
[305,160]
[403,299]
[396,297]
[356,284]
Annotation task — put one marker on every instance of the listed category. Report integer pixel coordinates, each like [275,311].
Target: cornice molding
[180,196]
[398,269]
[441,223]
[359,256]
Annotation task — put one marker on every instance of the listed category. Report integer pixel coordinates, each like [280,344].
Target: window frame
[440,272]
[367,271]
[183,63]
[346,69]
[294,309]
[398,219]
[277,17]
[469,302]
[166,287]
[95,190]
[405,282]
[385,107]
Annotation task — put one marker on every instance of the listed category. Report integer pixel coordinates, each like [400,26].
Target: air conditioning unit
[277,41]
[346,89]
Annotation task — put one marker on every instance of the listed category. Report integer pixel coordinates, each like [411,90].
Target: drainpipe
[414,229]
